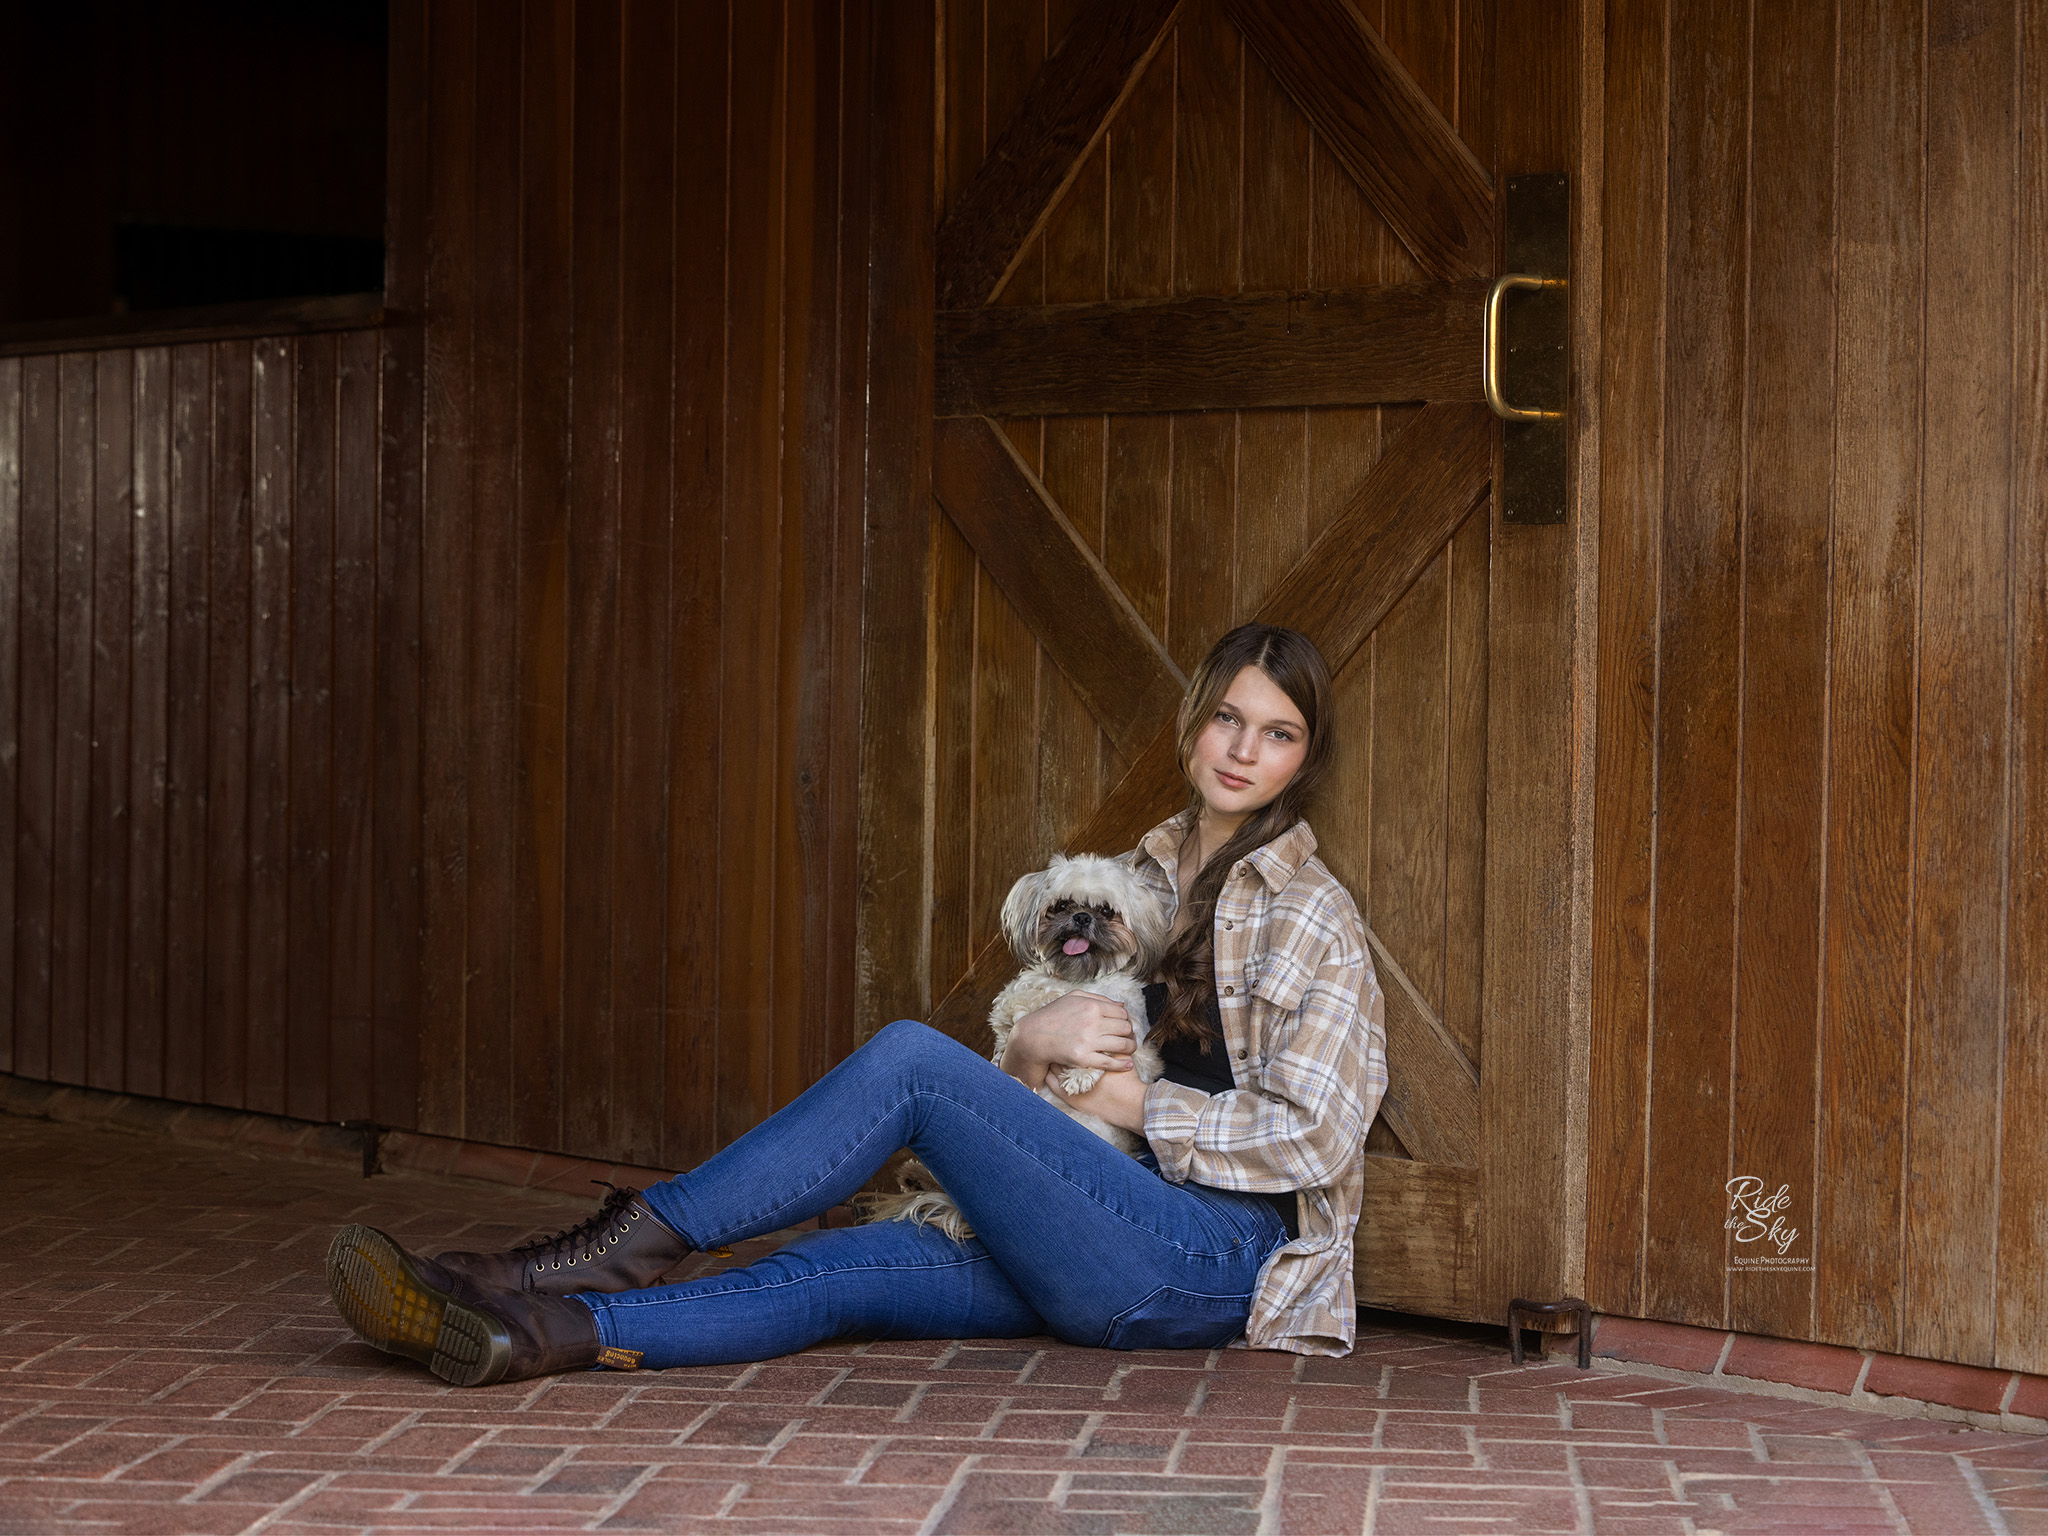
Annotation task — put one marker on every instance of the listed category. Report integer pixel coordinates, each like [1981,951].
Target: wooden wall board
[112,536]
[1961,768]
[702,250]
[358,1064]
[2022,1324]
[148,706]
[36,754]
[1789,456]
[591,581]
[309,1019]
[447,231]
[1699,638]
[1530,1217]
[11,415]
[71,1027]
[189,499]
[1636,114]
[228,679]
[266,822]
[636,943]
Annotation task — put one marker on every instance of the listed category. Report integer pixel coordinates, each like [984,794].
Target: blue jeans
[1073,1237]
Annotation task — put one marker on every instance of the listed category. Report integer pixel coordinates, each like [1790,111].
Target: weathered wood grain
[148,703]
[12,401]
[1962,825]
[2022,1331]
[1785,622]
[1380,125]
[35,795]
[1320,347]
[995,213]
[1432,1103]
[1699,639]
[185,920]
[112,536]
[1044,567]
[1631,506]
[1418,1239]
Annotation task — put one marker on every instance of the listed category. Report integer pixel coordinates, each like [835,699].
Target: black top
[1206,1069]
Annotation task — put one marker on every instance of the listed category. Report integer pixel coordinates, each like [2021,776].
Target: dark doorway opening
[161,154]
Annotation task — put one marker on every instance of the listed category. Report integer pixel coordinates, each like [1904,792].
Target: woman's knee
[910,1042]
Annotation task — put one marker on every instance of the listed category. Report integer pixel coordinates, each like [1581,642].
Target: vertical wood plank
[272,417]
[185,808]
[398,445]
[35,796]
[895,855]
[751,610]
[1532,1053]
[448,575]
[1789,474]
[309,1018]
[1071,747]
[695,876]
[358,1052]
[148,723]
[1631,503]
[1272,481]
[113,491]
[546,307]
[852,381]
[1410,738]
[1207,229]
[1957,1024]
[1697,726]
[638,940]
[71,831]
[11,420]
[593,554]
[2022,1338]
[228,736]
[1137,506]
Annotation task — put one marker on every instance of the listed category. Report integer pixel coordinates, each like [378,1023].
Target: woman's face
[1251,748]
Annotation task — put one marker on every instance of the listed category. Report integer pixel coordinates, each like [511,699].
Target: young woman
[1237,1224]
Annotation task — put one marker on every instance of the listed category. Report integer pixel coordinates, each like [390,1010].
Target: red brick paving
[171,1364]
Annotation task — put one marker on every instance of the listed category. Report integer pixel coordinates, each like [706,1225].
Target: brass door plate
[1536,347]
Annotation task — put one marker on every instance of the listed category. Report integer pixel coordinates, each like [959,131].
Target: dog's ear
[1145,915]
[1020,915]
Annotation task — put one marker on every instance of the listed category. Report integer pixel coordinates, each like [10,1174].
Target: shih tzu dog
[1086,924]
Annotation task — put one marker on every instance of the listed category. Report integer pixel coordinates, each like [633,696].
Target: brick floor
[171,1364]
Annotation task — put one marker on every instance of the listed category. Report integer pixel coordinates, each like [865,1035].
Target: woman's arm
[1078,1029]
[1316,1081]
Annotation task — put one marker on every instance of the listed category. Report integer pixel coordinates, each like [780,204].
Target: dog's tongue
[1075,946]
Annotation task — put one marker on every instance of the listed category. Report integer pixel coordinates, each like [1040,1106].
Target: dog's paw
[1077,1080]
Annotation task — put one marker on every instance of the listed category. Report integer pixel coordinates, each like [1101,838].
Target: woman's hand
[1119,1100]
[1076,1030]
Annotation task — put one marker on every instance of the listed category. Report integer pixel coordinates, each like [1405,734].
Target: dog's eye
[1061,906]
[1104,908]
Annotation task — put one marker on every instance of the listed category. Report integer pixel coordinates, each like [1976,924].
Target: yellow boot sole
[392,1307]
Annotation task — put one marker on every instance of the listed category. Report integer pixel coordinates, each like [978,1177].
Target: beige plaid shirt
[1304,1023]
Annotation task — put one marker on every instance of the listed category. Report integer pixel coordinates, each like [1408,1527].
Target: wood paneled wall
[208,740]
[643,267]
[1821,942]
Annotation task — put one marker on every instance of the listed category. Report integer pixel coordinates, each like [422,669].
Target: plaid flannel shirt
[1304,1023]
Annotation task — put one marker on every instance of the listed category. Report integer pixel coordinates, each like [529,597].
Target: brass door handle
[1490,364]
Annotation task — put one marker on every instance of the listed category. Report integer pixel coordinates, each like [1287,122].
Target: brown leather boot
[624,1246]
[465,1333]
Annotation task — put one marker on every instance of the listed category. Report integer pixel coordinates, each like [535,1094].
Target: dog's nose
[1083,918]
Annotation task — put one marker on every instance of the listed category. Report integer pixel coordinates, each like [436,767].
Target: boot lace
[579,1237]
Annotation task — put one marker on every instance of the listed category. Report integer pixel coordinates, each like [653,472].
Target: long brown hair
[1291,660]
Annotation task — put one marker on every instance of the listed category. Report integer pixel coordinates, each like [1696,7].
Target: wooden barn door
[1209,290]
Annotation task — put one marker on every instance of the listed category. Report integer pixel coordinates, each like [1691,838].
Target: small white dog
[1086,924]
